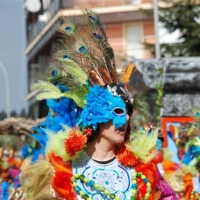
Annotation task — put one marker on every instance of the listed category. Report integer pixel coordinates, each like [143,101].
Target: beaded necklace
[104,191]
[194,195]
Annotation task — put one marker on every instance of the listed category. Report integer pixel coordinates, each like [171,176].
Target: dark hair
[128,132]
[95,133]
[124,96]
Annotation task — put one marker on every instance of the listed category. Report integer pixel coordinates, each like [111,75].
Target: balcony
[39,21]
[102,3]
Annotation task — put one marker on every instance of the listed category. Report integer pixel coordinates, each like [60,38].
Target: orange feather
[61,181]
[75,142]
[127,72]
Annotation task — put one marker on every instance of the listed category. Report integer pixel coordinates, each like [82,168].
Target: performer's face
[110,133]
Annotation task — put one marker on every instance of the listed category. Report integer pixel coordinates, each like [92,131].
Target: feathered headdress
[85,53]
[84,56]
[84,59]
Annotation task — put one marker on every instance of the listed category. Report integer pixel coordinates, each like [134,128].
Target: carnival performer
[90,151]
[9,171]
[190,164]
[10,166]
[183,177]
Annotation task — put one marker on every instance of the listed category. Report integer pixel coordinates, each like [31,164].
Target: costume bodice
[112,176]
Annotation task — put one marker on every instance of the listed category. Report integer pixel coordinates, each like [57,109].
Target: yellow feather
[56,143]
[143,144]
[127,71]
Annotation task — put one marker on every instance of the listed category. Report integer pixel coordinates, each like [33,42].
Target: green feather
[56,143]
[74,69]
[78,96]
[193,142]
[46,90]
[191,168]
[167,154]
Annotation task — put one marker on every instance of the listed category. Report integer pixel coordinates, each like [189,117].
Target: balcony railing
[43,19]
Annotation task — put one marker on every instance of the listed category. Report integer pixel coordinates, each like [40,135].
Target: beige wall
[99,3]
[148,29]
[117,38]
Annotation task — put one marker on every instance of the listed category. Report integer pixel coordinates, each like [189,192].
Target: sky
[12,57]
[165,37]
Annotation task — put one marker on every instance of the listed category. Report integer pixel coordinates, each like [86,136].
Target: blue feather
[187,158]
[61,112]
[4,192]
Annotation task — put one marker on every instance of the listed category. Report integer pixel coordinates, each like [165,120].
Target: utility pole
[7,89]
[156,21]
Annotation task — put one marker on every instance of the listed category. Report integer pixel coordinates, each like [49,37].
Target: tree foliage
[13,113]
[184,16]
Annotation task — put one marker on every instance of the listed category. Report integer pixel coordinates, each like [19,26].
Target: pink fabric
[13,172]
[166,191]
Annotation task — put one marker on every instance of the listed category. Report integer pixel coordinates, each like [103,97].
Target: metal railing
[43,19]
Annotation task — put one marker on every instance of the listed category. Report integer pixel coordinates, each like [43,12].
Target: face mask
[101,107]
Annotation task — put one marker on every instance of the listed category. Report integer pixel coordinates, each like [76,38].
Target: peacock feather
[87,45]
[98,38]
[195,127]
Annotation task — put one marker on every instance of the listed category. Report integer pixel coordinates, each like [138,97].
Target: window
[134,47]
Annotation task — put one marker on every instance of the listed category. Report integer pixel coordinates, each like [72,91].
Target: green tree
[13,113]
[23,113]
[2,115]
[184,16]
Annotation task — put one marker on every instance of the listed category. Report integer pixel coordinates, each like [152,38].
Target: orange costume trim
[61,181]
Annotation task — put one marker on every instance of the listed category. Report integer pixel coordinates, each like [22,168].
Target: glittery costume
[82,86]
